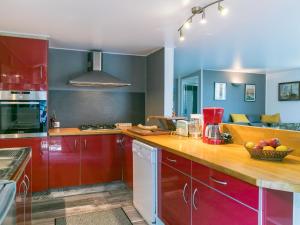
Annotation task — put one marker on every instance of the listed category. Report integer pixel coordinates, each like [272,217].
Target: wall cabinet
[23,63]
[185,199]
[39,148]
[83,160]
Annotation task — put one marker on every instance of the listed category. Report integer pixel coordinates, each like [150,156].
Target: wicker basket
[268,154]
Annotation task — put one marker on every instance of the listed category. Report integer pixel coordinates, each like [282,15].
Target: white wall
[169,81]
[289,110]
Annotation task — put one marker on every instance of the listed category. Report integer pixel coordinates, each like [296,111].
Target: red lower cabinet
[277,207]
[64,161]
[100,159]
[210,207]
[174,196]
[40,156]
[83,160]
[127,161]
[23,196]
[184,200]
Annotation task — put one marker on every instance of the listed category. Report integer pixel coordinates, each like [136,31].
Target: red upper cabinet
[100,159]
[128,161]
[39,146]
[64,161]
[210,207]
[174,196]
[23,63]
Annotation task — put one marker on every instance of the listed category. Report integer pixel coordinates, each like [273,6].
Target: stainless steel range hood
[95,77]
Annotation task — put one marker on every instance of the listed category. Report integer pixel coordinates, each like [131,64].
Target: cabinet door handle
[28,181]
[25,189]
[218,181]
[75,144]
[85,143]
[193,198]
[183,193]
[171,160]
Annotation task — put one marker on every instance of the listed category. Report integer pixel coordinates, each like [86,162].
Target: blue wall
[234,102]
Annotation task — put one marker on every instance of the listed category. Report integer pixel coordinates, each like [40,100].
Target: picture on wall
[220,91]
[250,93]
[289,91]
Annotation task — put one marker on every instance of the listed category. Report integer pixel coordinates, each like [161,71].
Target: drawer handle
[171,160]
[183,193]
[85,144]
[193,198]
[218,181]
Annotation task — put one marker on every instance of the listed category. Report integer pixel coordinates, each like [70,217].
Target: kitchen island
[265,192]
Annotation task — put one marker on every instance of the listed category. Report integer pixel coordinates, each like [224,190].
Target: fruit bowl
[263,151]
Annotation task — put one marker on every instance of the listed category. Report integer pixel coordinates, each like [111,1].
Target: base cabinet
[64,161]
[84,160]
[127,161]
[184,200]
[23,197]
[174,197]
[39,148]
[100,159]
[210,207]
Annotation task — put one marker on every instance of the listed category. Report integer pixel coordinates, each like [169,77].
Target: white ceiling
[256,35]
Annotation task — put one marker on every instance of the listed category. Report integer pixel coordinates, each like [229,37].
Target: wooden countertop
[76,131]
[231,159]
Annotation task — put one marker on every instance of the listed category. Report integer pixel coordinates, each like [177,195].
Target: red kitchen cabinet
[100,159]
[23,63]
[39,148]
[210,207]
[174,196]
[127,161]
[23,196]
[64,161]
[277,207]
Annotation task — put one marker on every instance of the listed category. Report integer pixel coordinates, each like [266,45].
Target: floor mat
[112,217]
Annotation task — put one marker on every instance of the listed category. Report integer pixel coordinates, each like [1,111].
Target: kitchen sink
[4,163]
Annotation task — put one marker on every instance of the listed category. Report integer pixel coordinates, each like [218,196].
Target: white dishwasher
[144,180]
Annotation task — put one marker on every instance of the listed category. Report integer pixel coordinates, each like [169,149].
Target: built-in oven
[23,114]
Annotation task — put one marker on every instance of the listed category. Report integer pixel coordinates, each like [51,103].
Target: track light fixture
[203,18]
[197,10]
[222,9]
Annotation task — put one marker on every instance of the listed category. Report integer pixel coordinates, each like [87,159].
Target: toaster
[182,128]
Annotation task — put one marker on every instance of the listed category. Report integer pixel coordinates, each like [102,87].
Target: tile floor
[72,201]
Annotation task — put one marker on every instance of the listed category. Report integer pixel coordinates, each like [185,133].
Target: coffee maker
[212,117]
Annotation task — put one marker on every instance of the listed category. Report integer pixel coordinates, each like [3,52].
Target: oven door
[23,118]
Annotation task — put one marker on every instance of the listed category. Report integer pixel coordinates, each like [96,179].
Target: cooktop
[97,127]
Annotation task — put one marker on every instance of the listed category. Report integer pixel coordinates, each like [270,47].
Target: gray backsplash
[73,108]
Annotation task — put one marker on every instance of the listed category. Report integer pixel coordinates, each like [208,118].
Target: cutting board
[144,132]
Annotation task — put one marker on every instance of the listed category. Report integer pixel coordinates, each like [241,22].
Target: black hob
[97,127]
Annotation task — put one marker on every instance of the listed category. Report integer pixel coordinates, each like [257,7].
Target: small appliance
[182,128]
[23,114]
[212,117]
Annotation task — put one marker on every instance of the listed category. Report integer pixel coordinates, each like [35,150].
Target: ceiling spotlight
[203,18]
[187,24]
[223,11]
[181,36]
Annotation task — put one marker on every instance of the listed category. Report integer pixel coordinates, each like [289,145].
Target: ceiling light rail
[197,10]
